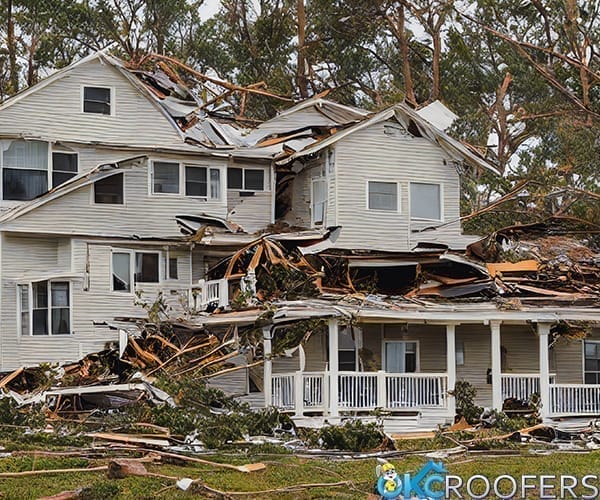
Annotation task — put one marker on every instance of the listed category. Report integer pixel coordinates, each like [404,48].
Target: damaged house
[119,184]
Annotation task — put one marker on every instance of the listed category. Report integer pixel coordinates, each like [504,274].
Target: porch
[397,371]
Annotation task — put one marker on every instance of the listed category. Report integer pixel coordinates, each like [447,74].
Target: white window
[592,362]
[64,166]
[45,308]
[459,349]
[425,201]
[319,202]
[400,356]
[383,196]
[190,180]
[98,100]
[24,169]
[130,267]
[165,177]
[246,179]
[171,266]
[346,350]
[109,191]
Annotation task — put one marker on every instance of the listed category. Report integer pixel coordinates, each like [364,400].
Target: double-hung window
[109,191]
[425,201]
[190,180]
[98,100]
[400,356]
[382,196]
[346,350]
[592,362]
[45,308]
[246,179]
[64,166]
[130,267]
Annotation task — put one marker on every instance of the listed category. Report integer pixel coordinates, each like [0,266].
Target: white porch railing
[209,292]
[359,391]
[521,385]
[409,390]
[575,399]
[283,391]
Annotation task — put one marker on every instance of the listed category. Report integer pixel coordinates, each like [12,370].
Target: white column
[298,394]
[496,366]
[333,368]
[543,330]
[451,365]
[267,367]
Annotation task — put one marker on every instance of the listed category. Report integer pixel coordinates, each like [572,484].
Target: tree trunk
[301,77]
[437,51]
[405,55]
[12,51]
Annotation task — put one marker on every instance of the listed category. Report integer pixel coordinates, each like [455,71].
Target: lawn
[282,471]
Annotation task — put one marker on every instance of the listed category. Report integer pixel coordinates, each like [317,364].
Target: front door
[400,356]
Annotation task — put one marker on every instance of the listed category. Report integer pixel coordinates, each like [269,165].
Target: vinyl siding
[30,258]
[54,111]
[300,214]
[371,154]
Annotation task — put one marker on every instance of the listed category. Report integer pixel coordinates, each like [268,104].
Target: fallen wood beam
[53,471]
[11,376]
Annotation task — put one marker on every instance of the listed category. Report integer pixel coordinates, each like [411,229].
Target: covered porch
[408,367]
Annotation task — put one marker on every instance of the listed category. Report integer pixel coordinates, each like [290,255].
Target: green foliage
[353,435]
[464,394]
[101,490]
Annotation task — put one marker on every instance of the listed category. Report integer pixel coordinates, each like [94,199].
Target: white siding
[371,154]
[54,111]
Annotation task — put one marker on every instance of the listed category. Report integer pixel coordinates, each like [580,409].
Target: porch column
[333,368]
[543,330]
[496,366]
[451,365]
[267,367]
[299,383]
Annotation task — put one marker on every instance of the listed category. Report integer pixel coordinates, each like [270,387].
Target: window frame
[182,182]
[168,257]
[48,169]
[112,99]
[52,170]
[404,341]
[132,256]
[441,186]
[29,285]
[397,210]
[244,187]
[325,202]
[354,350]
[117,205]
[583,356]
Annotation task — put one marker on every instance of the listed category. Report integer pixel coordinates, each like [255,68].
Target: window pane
[254,179]
[346,361]
[121,272]
[166,177]
[411,362]
[40,294]
[173,268]
[146,267]
[60,321]
[109,190]
[425,201]
[60,294]
[64,162]
[19,184]
[59,178]
[24,308]
[96,100]
[234,178]
[26,154]
[195,181]
[215,184]
[590,349]
[383,196]
[40,321]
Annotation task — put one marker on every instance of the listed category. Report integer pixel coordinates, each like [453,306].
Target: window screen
[425,201]
[383,196]
[109,190]
[96,100]
[165,177]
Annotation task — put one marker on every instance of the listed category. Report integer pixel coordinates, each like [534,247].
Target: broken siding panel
[54,111]
[300,214]
[142,214]
[373,155]
[251,212]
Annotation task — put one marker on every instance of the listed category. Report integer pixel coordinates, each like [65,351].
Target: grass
[282,471]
